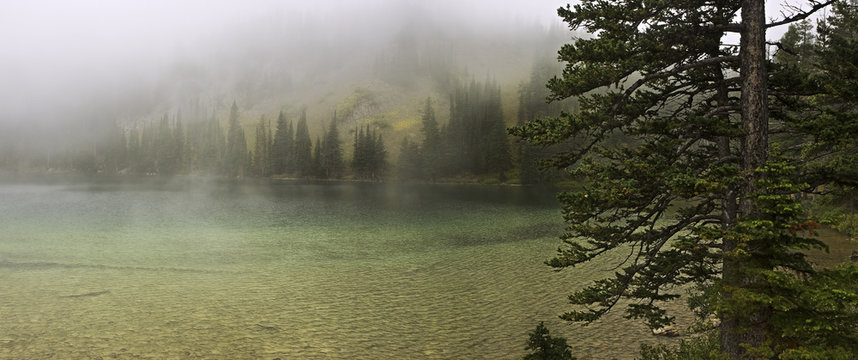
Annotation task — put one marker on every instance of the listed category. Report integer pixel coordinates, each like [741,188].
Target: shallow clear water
[196,268]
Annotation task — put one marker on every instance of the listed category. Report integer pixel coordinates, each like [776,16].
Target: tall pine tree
[283,148]
[235,162]
[303,156]
[693,194]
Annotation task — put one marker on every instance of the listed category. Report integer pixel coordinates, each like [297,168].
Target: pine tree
[262,150]
[179,145]
[314,168]
[303,159]
[547,347]
[496,148]
[283,148]
[332,152]
[362,155]
[410,161]
[692,193]
[475,141]
[532,105]
[236,162]
[431,146]
[379,157]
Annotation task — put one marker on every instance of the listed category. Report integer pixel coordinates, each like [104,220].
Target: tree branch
[676,70]
[782,48]
[802,15]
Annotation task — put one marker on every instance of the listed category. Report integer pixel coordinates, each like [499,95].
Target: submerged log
[89,294]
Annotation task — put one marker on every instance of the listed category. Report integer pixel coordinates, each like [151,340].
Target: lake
[160,268]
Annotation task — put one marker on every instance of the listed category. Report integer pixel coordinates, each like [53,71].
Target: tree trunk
[754,152]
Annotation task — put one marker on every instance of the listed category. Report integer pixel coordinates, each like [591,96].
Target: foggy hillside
[370,61]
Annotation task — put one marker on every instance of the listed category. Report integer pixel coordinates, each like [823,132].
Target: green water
[196,268]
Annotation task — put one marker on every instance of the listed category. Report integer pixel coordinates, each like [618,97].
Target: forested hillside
[262,96]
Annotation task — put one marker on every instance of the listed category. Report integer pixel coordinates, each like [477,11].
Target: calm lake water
[195,268]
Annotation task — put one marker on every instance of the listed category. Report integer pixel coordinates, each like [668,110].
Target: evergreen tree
[431,147]
[496,149]
[410,161]
[116,150]
[282,151]
[212,145]
[303,159]
[179,145]
[236,162]
[314,167]
[262,149]
[475,140]
[532,105]
[379,157]
[369,161]
[332,152]
[795,44]
[547,347]
[694,193]
[135,153]
[361,156]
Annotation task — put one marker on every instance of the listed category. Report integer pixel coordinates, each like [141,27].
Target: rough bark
[754,151]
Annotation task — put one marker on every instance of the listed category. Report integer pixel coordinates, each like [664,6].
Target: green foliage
[369,155]
[410,161]
[532,105]
[475,140]
[547,347]
[665,170]
[303,157]
[331,160]
[283,147]
[235,161]
[705,347]
[431,148]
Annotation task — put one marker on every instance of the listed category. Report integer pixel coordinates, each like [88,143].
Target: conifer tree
[262,149]
[236,146]
[314,168]
[410,161]
[532,104]
[332,152]
[379,157]
[693,194]
[475,140]
[303,159]
[431,146]
[283,148]
[361,157]
[179,145]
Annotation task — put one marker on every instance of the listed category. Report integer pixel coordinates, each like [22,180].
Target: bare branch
[802,15]
[781,47]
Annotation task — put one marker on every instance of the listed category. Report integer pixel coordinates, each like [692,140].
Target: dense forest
[473,144]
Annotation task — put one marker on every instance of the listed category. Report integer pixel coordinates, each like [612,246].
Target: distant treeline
[474,143]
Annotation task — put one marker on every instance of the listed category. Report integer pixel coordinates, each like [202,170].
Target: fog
[68,67]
